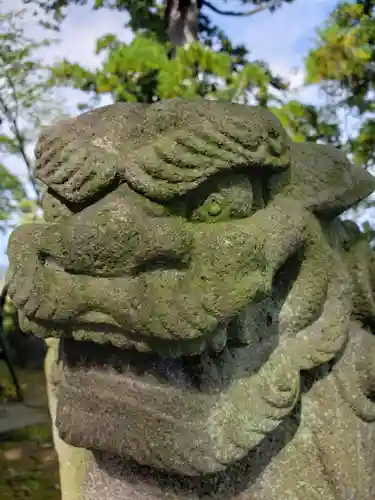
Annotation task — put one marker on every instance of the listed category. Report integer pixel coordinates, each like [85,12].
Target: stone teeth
[219,340]
[52,263]
[140,346]
[216,372]
[245,328]
[178,349]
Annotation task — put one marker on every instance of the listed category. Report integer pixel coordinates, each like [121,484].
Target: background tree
[343,64]
[206,63]
[12,194]
[182,17]
[26,105]
[142,70]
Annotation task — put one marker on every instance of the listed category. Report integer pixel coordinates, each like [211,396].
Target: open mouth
[209,367]
[207,364]
[181,400]
[188,398]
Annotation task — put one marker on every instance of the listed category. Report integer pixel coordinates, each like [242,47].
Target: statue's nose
[163,244]
[116,247]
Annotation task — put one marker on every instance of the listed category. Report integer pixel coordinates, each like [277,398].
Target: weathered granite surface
[215,317]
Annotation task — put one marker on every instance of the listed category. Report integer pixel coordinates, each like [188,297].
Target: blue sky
[281,39]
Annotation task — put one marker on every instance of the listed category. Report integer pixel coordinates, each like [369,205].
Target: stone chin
[184,321]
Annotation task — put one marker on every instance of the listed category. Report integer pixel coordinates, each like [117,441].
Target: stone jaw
[175,239]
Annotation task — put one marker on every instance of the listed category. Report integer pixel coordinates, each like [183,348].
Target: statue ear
[323,179]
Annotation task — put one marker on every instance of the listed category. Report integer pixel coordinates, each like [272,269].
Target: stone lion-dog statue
[210,317]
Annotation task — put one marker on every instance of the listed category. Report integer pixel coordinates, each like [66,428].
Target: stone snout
[197,277]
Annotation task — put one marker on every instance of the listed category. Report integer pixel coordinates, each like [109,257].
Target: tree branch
[256,10]
[13,122]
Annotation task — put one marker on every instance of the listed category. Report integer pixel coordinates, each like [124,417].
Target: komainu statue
[210,317]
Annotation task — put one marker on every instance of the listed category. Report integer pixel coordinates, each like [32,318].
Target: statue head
[193,265]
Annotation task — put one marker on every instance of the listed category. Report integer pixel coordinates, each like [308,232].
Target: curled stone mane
[209,313]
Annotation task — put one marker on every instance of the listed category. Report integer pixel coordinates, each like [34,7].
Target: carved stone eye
[231,199]
[214,209]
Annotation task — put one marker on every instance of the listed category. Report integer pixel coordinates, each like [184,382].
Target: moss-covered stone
[207,300]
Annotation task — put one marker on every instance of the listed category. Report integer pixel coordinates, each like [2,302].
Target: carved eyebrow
[162,150]
[168,149]
[79,158]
